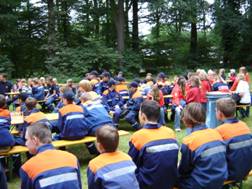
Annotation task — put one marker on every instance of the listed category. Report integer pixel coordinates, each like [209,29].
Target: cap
[105,74]
[161,75]
[94,72]
[111,82]
[133,84]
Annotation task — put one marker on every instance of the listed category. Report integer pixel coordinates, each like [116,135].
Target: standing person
[205,87]
[111,169]
[178,100]
[238,139]
[154,150]
[193,93]
[48,168]
[203,161]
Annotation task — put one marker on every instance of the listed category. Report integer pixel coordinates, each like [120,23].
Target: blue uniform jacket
[101,87]
[112,171]
[6,138]
[111,99]
[154,150]
[71,123]
[51,169]
[95,115]
[203,162]
[135,101]
[38,92]
[238,139]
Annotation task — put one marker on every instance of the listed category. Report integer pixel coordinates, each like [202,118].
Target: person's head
[37,135]
[193,114]
[85,86]
[221,71]
[3,77]
[70,82]
[22,97]
[120,74]
[161,76]
[155,92]
[2,101]
[133,87]
[243,70]
[225,108]
[203,75]
[93,74]
[111,84]
[194,81]
[68,97]
[86,96]
[105,76]
[30,103]
[149,112]
[35,82]
[107,139]
[181,81]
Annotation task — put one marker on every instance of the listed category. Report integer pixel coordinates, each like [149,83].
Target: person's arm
[185,166]
[92,183]
[133,153]
[26,182]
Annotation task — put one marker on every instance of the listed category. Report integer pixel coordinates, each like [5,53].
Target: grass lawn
[81,152]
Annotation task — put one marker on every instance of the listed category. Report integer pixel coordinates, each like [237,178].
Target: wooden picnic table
[19,119]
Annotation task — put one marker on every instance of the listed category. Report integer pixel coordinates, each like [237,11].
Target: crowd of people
[95,106]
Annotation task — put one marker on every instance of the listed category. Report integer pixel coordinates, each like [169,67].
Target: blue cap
[161,75]
[120,79]
[105,74]
[68,95]
[133,84]
[111,82]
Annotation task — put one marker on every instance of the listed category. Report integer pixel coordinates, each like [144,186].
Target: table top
[19,119]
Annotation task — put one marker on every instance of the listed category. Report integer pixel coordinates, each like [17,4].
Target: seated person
[95,114]
[33,116]
[122,89]
[113,101]
[131,108]
[86,87]
[48,168]
[71,123]
[38,90]
[53,93]
[219,84]
[22,107]
[150,147]
[103,85]
[7,140]
[203,161]
[238,140]
[112,168]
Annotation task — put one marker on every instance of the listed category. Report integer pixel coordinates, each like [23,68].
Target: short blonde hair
[85,85]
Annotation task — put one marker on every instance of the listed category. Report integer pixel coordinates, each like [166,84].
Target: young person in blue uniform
[111,169]
[154,150]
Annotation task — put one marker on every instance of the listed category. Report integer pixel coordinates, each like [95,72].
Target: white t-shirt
[243,87]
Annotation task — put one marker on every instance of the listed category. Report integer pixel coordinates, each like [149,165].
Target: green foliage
[6,66]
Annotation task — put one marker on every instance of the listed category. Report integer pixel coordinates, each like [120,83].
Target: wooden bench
[15,120]
[56,144]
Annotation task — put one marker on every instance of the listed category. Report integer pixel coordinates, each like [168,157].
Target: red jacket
[193,95]
[161,98]
[177,95]
[205,87]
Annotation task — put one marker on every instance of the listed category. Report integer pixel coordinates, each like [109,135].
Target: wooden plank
[59,143]
[19,119]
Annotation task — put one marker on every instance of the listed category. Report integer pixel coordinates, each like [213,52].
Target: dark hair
[227,106]
[41,131]
[108,137]
[182,83]
[194,114]
[30,103]
[23,96]
[2,101]
[151,109]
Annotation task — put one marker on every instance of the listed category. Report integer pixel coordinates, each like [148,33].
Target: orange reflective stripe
[230,130]
[70,108]
[121,87]
[198,138]
[49,160]
[144,136]
[106,159]
[137,94]
[34,117]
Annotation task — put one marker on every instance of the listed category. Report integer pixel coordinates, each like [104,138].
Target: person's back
[238,139]
[154,150]
[112,169]
[71,123]
[7,139]
[95,113]
[203,161]
[48,168]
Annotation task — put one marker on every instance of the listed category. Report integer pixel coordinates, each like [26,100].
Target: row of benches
[56,144]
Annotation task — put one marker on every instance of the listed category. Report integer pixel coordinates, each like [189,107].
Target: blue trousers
[131,118]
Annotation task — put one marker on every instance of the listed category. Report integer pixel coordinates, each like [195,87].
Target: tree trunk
[96,19]
[135,32]
[51,28]
[65,20]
